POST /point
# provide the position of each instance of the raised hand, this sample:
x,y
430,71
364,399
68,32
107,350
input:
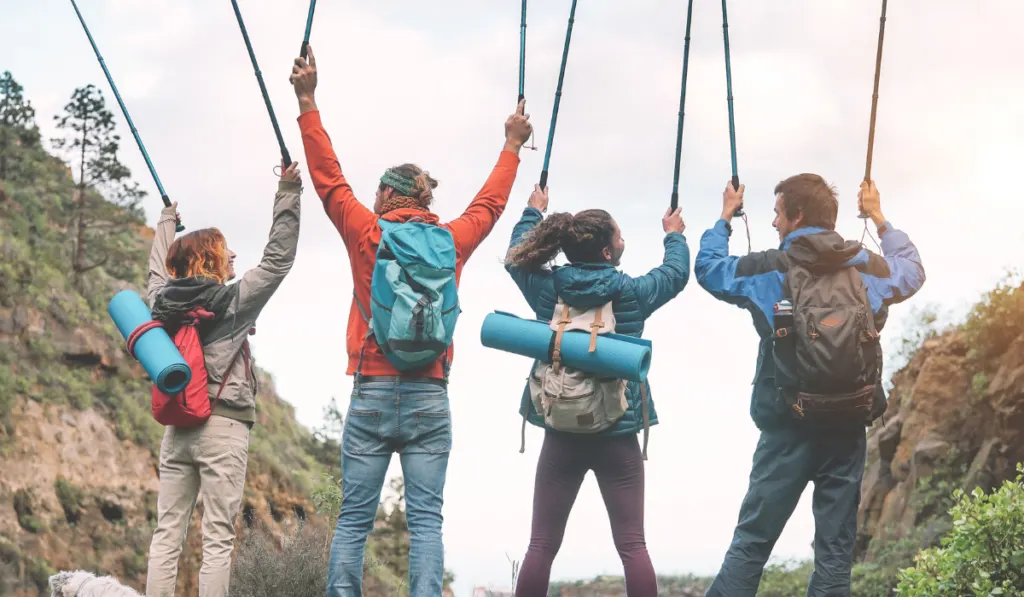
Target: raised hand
x,y
518,128
303,79
732,200
672,221
539,198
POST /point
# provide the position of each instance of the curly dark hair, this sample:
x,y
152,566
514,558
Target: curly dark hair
x,y
582,237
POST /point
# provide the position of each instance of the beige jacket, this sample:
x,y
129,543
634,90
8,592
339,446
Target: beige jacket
x,y
251,293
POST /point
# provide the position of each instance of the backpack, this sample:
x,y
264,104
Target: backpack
x,y
191,407
826,346
569,399
414,302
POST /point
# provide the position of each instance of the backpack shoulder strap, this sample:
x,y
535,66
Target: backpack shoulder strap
x,y
556,351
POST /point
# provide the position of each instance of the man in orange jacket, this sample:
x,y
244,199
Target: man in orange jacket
x,y
391,411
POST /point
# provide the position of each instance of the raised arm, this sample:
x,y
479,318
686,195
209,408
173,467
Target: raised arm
x,y
529,281
472,227
348,215
906,270
666,281
165,228
259,284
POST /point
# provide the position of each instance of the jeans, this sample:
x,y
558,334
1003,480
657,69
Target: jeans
x,y
411,418
785,461
619,467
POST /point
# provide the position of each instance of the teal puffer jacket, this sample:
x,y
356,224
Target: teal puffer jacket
x,y
586,285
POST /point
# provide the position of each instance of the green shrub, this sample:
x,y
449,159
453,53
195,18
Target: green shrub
x,y
997,320
982,555
298,568
70,498
785,579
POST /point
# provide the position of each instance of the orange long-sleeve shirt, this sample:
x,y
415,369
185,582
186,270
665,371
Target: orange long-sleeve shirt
x,y
360,232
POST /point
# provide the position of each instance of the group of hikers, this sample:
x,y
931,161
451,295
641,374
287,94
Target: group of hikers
x,y
817,303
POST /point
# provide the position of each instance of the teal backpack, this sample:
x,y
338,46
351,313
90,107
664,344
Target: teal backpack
x,y
414,303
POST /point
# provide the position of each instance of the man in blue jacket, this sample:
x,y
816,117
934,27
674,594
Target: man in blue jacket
x,y
790,454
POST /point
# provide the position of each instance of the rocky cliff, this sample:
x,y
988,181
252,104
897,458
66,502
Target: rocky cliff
x,y
955,420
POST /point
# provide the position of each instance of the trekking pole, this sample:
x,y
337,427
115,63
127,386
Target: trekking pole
x,y
682,105
558,98
522,64
732,121
287,159
874,104
309,27
131,125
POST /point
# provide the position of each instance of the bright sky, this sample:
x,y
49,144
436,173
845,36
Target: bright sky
x,y
403,82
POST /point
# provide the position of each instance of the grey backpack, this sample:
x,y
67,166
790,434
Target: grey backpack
x,y
570,399
826,346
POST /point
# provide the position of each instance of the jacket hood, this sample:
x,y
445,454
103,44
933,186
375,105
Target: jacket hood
x,y
181,295
821,250
585,285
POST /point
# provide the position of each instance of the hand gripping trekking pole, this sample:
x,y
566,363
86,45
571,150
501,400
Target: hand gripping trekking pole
x,y
732,120
522,64
682,104
309,27
287,159
874,103
558,99
124,110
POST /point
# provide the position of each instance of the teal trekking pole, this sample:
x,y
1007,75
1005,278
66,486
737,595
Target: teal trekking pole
x,y
732,120
309,27
286,158
522,64
558,99
682,105
124,110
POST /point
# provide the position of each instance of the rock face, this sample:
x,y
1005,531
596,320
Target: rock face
x,y
952,423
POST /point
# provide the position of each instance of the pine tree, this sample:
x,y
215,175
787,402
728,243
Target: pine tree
x,y
17,122
106,200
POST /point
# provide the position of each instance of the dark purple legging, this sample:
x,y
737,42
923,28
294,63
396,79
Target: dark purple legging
x,y
619,467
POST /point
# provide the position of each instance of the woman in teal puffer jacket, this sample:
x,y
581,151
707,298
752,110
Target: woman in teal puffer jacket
x,y
593,244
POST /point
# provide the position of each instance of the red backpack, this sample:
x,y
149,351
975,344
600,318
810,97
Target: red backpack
x,y
192,406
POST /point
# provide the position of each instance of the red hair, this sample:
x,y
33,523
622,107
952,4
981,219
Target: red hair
x,y
199,253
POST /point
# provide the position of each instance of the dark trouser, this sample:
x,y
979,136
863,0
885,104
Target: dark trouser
x,y
618,465
784,462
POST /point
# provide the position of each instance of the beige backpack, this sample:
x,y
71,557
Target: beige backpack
x,y
569,399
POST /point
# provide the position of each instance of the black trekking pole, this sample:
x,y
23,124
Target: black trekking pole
x,y
558,99
522,64
287,159
874,103
682,105
309,27
131,125
732,121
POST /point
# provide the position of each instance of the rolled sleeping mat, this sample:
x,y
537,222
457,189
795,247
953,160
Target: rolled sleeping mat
x,y
148,343
616,355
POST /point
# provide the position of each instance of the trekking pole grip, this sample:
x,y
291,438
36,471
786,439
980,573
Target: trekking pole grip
x,y
736,187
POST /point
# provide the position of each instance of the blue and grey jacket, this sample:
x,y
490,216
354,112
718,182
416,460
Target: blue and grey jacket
x,y
754,282
587,285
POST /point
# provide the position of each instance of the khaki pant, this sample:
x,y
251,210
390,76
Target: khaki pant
x,y
213,458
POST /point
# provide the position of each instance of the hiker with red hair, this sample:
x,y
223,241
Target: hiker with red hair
x,y
188,274
399,347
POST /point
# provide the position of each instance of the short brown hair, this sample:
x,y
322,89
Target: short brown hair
x,y
810,196
199,253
